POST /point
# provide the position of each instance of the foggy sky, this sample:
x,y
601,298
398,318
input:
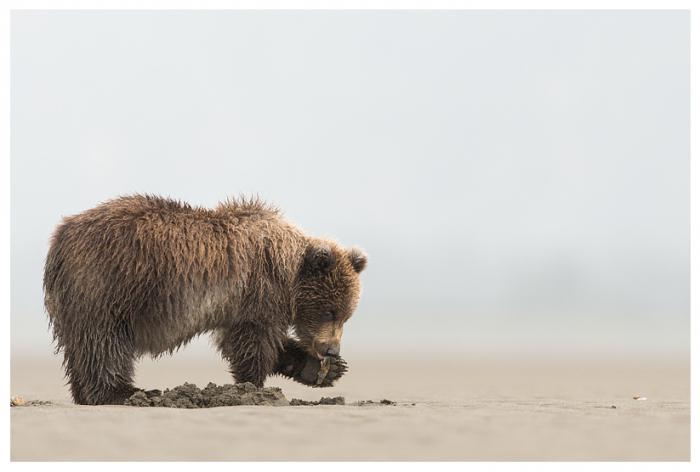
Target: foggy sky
x,y
519,180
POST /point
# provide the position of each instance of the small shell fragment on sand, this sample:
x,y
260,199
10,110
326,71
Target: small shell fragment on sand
x,y
17,401
639,397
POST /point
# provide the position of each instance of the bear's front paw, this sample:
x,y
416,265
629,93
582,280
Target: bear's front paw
x,y
322,373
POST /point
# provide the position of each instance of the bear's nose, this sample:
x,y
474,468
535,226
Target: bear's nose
x,y
333,351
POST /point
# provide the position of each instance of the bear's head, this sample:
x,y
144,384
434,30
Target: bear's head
x,y
326,294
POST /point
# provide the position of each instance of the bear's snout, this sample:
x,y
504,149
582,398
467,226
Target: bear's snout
x,y
331,348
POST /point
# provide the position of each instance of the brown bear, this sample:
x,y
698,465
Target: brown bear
x,y
144,275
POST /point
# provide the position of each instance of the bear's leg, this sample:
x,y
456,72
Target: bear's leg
x,y
291,359
251,350
100,369
76,389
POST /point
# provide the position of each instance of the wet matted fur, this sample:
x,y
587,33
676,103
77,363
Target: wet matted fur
x,y
144,275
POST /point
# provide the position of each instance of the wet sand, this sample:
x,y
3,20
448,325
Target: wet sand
x,y
448,408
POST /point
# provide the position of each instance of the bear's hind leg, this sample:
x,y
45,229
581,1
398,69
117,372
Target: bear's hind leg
x,y
251,350
101,368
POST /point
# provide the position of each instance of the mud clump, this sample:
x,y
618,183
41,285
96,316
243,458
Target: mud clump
x,y
188,395
322,401
340,401
383,402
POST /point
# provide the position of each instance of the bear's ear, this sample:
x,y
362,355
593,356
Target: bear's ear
x,y
318,259
358,259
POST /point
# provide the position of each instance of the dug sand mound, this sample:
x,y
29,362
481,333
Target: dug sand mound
x,y
188,395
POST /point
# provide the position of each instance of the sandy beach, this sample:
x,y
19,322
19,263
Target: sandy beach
x,y
448,408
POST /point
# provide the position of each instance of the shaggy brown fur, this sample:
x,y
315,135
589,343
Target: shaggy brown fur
x,y
144,275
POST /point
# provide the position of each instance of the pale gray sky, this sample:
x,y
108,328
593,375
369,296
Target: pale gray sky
x,y
519,179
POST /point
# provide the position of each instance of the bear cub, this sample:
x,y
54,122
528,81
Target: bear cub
x,y
143,275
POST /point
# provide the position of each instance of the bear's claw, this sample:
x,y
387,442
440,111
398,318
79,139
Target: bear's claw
x,y
322,373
